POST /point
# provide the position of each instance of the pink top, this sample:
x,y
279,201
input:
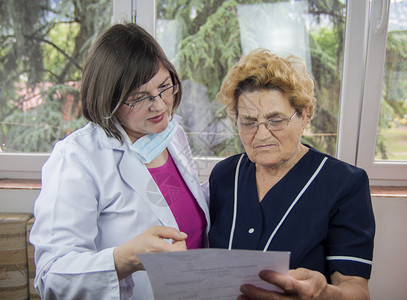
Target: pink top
x,y
187,212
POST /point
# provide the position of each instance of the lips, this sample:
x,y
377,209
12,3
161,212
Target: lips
x,y
158,118
267,146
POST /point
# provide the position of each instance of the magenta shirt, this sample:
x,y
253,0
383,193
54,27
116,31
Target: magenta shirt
x,y
187,212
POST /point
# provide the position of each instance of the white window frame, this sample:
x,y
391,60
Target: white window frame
x,y
354,58
360,97
364,57
379,171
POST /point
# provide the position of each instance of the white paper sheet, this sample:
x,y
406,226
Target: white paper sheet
x,y
209,273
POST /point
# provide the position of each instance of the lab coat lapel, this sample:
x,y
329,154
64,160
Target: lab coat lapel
x,y
136,175
139,178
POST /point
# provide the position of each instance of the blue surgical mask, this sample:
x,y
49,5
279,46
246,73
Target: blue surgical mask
x,y
148,147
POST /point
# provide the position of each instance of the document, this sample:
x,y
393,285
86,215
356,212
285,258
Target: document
x,y
209,273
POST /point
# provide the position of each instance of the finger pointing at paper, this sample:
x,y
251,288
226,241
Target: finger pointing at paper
x,y
152,240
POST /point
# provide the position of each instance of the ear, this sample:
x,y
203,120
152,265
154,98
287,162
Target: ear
x,y
304,118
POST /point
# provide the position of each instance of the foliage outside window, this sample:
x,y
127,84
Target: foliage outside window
x,y
44,44
43,47
391,141
211,39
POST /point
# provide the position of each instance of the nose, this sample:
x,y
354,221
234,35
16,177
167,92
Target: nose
x,y
157,103
262,132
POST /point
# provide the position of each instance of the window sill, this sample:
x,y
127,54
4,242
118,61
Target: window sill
x,y
389,191
35,184
20,184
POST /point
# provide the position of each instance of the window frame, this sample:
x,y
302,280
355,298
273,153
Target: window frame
x,y
380,172
352,79
364,51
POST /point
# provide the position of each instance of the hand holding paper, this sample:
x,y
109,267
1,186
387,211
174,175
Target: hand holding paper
x,y
209,273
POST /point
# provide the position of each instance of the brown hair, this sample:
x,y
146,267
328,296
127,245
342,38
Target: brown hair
x,y
122,59
263,70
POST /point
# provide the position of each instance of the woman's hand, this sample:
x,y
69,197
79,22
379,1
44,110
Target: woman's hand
x,y
152,240
306,284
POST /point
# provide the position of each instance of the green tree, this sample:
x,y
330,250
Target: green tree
x,y
43,46
394,88
211,43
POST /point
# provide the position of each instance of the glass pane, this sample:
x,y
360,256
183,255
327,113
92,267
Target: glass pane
x,y
205,38
391,141
42,50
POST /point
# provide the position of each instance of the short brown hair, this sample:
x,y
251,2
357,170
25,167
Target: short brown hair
x,y
122,59
261,69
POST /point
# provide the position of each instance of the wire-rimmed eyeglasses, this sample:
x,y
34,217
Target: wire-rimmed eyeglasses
x,y
274,124
145,102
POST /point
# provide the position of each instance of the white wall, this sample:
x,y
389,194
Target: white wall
x,y
390,255
388,279
17,201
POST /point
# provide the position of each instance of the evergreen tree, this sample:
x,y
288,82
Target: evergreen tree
x,y
211,44
43,46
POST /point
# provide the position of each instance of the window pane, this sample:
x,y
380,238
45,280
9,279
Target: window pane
x,y
43,47
391,141
205,38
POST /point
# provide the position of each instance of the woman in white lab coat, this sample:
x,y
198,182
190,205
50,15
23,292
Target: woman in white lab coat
x,y
122,185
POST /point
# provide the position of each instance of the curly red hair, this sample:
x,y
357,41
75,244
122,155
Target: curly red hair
x,y
262,70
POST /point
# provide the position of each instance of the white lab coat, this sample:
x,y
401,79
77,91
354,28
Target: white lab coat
x,y
96,195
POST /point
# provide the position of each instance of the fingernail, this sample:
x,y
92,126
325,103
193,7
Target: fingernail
x,y
182,234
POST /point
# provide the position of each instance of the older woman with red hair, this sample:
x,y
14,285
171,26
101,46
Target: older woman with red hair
x,y
283,195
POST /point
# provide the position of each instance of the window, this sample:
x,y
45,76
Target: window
x,y
391,141
204,39
385,94
43,47
336,38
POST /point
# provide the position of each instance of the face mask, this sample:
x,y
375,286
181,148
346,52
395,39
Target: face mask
x,y
150,146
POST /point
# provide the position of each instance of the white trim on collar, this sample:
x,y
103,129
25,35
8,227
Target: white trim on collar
x,y
232,231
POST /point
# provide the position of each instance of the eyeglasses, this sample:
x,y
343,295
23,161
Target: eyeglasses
x,y
141,102
274,124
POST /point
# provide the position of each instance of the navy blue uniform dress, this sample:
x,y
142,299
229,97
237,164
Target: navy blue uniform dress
x,y
320,211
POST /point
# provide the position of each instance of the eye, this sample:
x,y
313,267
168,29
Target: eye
x,y
249,123
137,99
276,121
164,86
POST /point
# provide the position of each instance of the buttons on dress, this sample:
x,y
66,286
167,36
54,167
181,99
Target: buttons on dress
x,y
251,230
